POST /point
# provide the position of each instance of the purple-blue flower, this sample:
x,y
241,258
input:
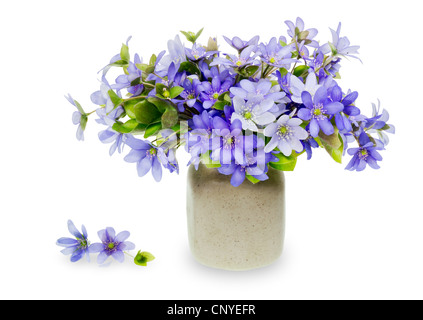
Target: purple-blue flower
x,y
77,247
112,245
145,155
318,111
212,91
366,154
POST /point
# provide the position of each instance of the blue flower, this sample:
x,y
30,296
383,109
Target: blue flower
x,y
112,245
77,247
365,155
212,91
228,141
193,89
126,80
145,155
255,163
198,52
198,139
276,55
78,118
318,111
239,44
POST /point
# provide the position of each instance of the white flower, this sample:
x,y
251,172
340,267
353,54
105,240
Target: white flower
x,y
298,87
252,113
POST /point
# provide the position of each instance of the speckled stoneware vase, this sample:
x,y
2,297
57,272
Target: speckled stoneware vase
x,y
232,228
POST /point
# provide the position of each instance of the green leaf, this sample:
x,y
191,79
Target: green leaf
x,y
119,63
175,91
170,118
300,70
333,144
283,71
79,107
198,34
153,60
142,258
285,163
115,98
129,107
126,127
252,179
209,163
220,105
145,67
124,53
152,129
191,36
162,90
161,105
146,112
84,120
190,67
251,70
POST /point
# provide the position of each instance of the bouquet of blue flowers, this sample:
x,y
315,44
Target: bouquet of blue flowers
x,y
240,113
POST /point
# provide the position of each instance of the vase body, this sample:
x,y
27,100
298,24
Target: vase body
x,y
235,228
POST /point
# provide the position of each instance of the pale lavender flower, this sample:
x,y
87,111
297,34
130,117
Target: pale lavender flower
x,y
258,91
297,32
102,97
176,55
340,45
239,44
286,134
112,245
78,118
243,60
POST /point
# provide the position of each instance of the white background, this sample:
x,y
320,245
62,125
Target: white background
x,y
349,235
